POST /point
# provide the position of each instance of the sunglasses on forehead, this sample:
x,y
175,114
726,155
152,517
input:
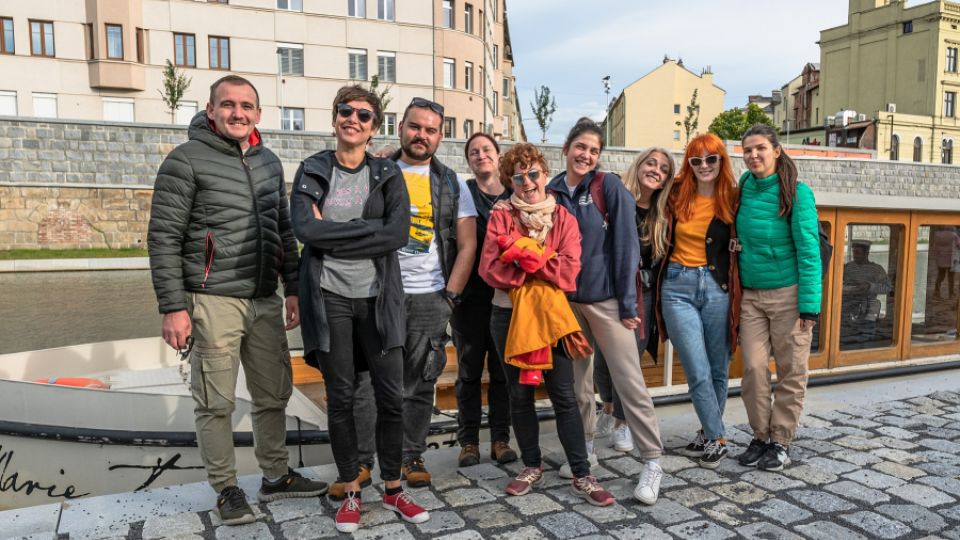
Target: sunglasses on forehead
x,y
345,111
532,174
709,160
427,104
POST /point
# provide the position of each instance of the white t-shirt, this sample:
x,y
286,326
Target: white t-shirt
x,y
420,259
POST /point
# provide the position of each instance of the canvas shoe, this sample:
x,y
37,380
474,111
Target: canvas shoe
x,y
695,447
622,438
348,516
402,504
648,488
713,453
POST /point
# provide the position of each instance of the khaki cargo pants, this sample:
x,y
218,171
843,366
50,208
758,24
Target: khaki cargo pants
x,y
229,332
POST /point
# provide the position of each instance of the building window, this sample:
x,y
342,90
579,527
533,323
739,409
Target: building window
x,y
118,109
449,127
676,108
468,18
357,64
676,135
219,52
8,103
952,59
141,54
506,88
449,67
387,66
186,110
946,151
467,128
496,54
894,147
389,126
447,13
185,50
949,104
41,38
496,9
114,42
386,10
6,35
45,105
468,76
290,58
496,103
291,119
290,5
918,149
357,8
908,27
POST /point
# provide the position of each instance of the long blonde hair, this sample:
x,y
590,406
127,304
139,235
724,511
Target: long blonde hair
x,y
654,226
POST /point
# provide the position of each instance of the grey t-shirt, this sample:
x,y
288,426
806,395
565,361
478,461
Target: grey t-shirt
x,y
352,278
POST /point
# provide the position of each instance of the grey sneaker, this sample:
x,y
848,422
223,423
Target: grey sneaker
x,y
774,459
232,507
696,446
753,453
289,486
713,453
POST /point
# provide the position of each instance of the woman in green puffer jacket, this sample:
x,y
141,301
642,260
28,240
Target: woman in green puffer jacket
x,y
781,277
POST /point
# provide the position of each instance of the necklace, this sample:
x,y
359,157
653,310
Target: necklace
x,y
488,199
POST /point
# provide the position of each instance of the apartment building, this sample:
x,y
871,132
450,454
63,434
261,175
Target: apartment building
x,y
104,59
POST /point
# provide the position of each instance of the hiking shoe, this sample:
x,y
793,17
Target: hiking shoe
x,y
402,504
713,453
501,452
290,485
648,488
588,489
753,453
232,507
348,516
774,459
604,425
622,438
415,473
338,489
469,455
528,477
695,447
565,471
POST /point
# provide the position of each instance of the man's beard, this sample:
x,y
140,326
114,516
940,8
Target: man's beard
x,y
415,154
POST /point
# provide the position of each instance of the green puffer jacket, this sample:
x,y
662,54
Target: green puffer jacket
x,y
220,222
777,253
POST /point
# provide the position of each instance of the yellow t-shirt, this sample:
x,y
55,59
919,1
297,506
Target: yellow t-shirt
x,y
690,236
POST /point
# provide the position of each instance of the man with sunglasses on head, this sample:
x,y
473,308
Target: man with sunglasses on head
x,y
219,240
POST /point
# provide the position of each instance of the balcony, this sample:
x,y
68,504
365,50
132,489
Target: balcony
x,y
116,75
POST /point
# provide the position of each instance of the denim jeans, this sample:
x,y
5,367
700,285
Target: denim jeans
x,y
559,383
601,372
696,312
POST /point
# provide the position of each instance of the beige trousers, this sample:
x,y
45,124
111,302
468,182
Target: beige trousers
x,y
600,322
770,326
229,332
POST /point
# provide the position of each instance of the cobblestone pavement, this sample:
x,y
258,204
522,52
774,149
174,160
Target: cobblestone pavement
x,y
881,470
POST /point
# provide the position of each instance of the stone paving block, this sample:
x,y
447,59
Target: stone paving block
x,y
931,420
950,512
857,443
467,497
602,473
893,442
810,474
426,498
947,432
897,456
183,523
700,530
950,486
667,512
857,458
442,522
814,422
781,511
533,504
832,416
670,481
832,466
874,479
897,421
250,531
948,397
897,470
626,466
851,431
311,528
820,501
642,531
876,525
31,520
895,432
740,492
764,531
732,466
523,533
691,496
605,514
820,434
826,530
941,445
770,481
461,535
287,509
483,471
111,532
726,512
552,479
853,490
941,469
701,477
673,464
940,457
497,487
925,496
862,423
393,531
820,447
563,495
452,481
916,517
491,516
567,525
376,515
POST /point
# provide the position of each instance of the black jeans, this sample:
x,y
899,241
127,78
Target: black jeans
x,y
601,374
346,316
471,335
559,383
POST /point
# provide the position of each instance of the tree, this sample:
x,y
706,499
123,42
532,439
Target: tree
x,y
692,121
731,125
543,107
385,99
175,85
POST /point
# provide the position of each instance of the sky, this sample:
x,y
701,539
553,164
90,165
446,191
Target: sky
x,y
752,46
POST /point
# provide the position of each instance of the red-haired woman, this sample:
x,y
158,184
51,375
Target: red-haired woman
x,y
695,307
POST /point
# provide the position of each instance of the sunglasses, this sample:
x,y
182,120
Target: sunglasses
x,y
345,111
532,174
709,160
426,104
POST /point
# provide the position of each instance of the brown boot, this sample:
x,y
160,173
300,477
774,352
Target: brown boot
x,y
469,455
501,452
415,473
338,489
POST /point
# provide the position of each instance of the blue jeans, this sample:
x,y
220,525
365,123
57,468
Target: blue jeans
x,y
696,312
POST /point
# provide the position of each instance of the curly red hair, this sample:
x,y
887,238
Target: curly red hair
x,y
526,156
685,185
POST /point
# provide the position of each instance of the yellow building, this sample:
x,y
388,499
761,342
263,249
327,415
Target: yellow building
x,y
898,66
650,111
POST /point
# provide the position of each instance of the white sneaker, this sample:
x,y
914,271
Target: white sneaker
x,y
622,438
604,425
565,471
648,488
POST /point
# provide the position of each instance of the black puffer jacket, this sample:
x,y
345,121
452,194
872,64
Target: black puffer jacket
x,y
220,222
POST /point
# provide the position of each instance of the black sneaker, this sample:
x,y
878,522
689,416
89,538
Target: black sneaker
x,y
713,453
695,447
290,485
753,453
232,507
774,459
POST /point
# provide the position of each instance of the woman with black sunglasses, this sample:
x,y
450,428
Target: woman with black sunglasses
x,y
352,212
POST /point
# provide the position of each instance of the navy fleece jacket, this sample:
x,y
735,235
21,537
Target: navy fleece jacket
x,y
610,255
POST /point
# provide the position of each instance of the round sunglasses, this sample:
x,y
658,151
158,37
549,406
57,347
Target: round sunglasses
x,y
709,160
532,174
345,111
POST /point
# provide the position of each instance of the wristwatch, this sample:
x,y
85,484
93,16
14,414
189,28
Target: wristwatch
x,y
454,298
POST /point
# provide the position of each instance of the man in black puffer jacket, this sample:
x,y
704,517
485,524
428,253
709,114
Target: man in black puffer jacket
x,y
219,238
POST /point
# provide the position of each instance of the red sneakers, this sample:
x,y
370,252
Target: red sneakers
x,y
348,516
409,511
528,477
589,489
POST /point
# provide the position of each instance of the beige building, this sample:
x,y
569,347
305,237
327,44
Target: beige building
x,y
896,66
650,111
103,59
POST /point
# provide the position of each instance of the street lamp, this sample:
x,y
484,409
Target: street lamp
x,y
606,90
